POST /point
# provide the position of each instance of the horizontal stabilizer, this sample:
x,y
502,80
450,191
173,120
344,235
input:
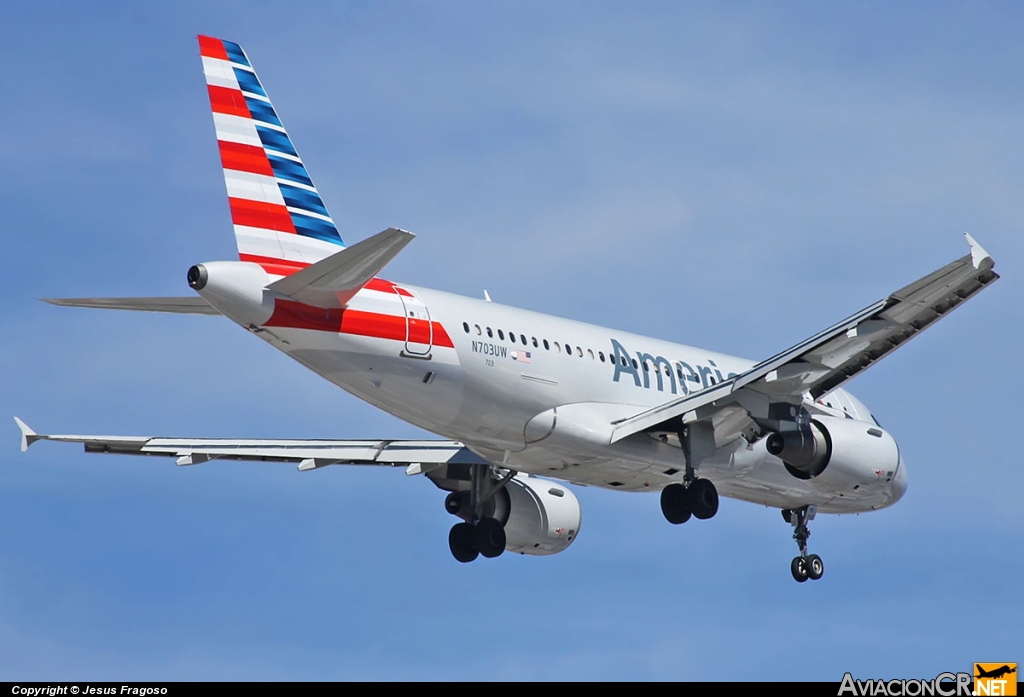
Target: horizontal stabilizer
x,y
192,305
333,281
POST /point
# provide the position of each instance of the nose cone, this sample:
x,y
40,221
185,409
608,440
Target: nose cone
x,y
898,486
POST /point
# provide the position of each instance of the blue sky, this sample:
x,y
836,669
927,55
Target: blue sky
x,y
730,176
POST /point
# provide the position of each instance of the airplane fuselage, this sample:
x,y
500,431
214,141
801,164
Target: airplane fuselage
x,y
533,392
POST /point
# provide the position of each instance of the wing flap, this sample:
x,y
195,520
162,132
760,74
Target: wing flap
x,y
191,305
828,359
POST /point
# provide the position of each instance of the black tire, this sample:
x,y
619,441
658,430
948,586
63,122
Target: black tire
x,y
453,502
675,505
798,567
462,542
815,567
702,497
490,538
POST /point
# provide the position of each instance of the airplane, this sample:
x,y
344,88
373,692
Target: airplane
x,y
996,672
524,402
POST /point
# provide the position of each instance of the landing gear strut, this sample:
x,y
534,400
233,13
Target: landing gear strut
x,y
806,566
694,497
480,533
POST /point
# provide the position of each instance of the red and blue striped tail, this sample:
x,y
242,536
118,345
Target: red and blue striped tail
x,y
280,220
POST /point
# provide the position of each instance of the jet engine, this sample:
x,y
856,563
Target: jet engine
x,y
837,455
540,516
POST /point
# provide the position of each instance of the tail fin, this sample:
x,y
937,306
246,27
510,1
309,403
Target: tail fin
x,y
280,220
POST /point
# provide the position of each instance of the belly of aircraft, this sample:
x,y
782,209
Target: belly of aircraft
x,y
426,391
739,472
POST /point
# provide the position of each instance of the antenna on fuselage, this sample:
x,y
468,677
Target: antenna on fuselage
x,y
487,296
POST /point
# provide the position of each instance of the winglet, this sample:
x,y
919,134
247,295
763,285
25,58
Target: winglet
x,y
28,436
979,257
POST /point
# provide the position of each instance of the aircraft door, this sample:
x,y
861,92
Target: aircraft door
x,y
419,330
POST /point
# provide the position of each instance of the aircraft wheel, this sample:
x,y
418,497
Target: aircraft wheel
x,y
799,569
462,542
703,498
815,567
490,537
675,504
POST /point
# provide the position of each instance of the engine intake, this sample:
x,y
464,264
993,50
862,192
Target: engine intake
x,y
807,450
839,455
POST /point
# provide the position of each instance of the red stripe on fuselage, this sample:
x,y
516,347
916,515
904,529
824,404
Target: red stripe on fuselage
x,y
386,287
278,267
295,315
224,100
260,214
244,158
212,48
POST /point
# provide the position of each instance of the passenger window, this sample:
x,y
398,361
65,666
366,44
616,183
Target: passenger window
x,y
534,341
546,346
558,346
568,349
490,333
465,325
477,328
579,352
501,335
522,338
635,366
591,354
623,359
600,354
512,337
646,369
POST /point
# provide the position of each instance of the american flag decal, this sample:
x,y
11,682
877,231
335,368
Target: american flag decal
x,y
521,356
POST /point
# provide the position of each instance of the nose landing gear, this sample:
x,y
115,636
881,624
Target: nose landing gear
x,y
806,566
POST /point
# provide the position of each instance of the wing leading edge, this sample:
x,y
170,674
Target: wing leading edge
x,y
828,359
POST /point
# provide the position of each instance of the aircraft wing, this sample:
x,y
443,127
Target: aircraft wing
x,y
417,456
828,359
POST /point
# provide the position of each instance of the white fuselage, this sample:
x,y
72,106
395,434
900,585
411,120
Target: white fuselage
x,y
459,367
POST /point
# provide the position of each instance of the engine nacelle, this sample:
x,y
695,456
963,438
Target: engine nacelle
x,y
540,516
838,455
544,516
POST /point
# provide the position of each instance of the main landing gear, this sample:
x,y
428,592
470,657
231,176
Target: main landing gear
x,y
694,497
806,566
698,498
482,531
